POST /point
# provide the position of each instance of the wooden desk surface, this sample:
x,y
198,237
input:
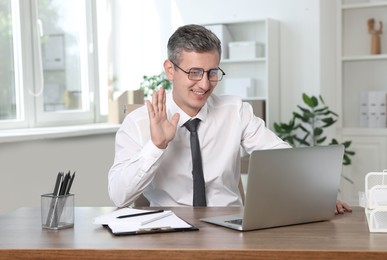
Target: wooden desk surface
x,y
346,236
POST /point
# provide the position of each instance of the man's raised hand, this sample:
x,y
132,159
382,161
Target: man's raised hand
x,y
162,130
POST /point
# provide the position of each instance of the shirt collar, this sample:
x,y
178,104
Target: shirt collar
x,y
184,117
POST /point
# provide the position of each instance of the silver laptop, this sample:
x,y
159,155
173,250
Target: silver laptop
x,y
287,187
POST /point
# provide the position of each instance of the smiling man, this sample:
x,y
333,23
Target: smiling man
x,y
153,145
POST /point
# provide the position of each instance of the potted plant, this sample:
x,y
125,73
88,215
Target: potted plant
x,y
150,83
306,127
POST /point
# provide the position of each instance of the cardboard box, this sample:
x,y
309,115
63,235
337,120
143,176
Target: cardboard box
x,y
258,107
246,50
126,102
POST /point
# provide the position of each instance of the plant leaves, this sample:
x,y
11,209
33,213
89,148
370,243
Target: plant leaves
x,y
306,127
334,141
314,101
317,131
328,122
321,140
321,99
347,143
310,101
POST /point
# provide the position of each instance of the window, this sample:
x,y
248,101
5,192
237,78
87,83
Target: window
x,y
49,66
8,95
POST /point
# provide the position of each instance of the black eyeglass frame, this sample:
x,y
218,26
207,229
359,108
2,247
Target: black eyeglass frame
x,y
207,71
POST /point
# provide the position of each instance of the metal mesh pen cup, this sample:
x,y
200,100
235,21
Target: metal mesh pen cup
x,y
57,212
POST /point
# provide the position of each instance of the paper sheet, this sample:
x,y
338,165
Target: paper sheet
x,y
133,224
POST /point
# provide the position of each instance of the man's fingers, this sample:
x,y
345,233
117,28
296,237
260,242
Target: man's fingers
x,y
347,207
151,112
161,100
175,119
155,100
342,207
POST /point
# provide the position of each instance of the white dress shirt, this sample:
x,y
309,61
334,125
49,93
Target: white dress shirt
x,y
164,176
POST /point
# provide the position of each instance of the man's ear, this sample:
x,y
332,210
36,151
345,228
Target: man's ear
x,y
169,69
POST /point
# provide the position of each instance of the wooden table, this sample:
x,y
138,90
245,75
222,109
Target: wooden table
x,y
346,236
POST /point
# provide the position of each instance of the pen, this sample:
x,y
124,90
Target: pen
x,y
57,184
53,214
160,216
141,214
70,182
63,190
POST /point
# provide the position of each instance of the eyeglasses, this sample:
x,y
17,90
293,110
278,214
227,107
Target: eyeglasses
x,y
197,73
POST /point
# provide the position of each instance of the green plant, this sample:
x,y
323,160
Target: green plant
x,y
306,128
150,83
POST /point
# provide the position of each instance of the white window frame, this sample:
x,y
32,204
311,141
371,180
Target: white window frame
x,y
28,72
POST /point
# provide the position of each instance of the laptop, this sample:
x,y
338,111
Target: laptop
x,y
287,187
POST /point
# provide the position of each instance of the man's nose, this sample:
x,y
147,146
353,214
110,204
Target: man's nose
x,y
204,83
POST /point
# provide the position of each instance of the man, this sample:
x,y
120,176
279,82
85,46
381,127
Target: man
x,y
153,145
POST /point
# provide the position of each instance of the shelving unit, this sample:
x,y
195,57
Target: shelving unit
x,y
360,71
264,70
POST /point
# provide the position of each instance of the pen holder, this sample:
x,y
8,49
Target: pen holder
x,y
57,212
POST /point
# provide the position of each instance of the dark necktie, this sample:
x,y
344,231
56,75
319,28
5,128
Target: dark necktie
x,y
199,189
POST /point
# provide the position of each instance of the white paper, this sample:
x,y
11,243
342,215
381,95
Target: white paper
x,y
166,219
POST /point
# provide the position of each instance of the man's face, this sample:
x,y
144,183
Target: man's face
x,y
191,95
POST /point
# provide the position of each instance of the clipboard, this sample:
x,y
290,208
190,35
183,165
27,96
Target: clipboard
x,y
151,230
129,221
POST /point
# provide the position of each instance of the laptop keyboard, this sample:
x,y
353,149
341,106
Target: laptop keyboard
x,y
235,221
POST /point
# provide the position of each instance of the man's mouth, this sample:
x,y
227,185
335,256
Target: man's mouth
x,y
199,92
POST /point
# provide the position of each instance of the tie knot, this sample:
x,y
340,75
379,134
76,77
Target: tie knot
x,y
192,125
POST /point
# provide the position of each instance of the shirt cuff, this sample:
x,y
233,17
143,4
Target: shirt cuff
x,y
151,153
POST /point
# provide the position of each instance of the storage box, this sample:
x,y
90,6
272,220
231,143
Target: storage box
x,y
246,50
118,107
243,87
376,201
377,219
373,109
259,107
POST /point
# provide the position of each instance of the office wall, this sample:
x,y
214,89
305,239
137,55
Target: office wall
x,y
304,67
28,169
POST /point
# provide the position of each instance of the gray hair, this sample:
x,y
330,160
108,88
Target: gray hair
x,y
192,38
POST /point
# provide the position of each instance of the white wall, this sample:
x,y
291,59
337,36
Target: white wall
x,y
301,37
28,169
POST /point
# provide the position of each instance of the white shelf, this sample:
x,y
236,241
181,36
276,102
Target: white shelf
x,y
364,5
263,72
243,60
365,57
358,72
255,98
362,131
